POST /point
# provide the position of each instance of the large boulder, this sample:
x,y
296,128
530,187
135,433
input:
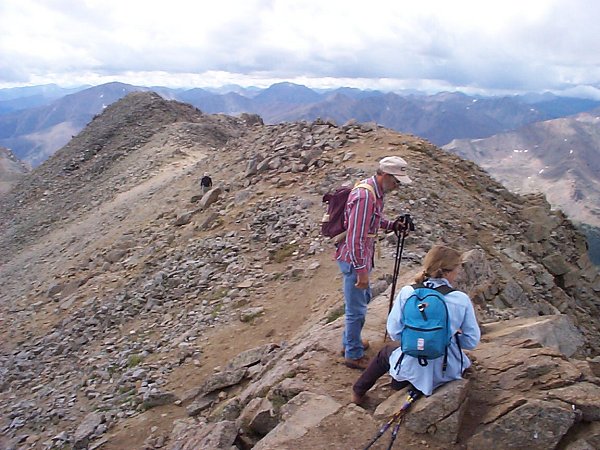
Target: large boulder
x,y
305,411
259,417
535,425
541,222
86,429
523,366
556,331
440,414
210,197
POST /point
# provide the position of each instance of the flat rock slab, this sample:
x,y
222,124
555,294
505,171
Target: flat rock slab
x,y
200,404
584,396
305,411
222,380
191,435
251,357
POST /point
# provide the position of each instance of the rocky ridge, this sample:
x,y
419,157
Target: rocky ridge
x,y
142,292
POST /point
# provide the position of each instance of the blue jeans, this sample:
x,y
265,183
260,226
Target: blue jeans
x,y
355,301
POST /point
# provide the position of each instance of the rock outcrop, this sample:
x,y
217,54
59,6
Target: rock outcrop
x,y
11,170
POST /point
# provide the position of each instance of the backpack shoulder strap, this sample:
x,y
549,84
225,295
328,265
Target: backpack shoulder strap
x,y
443,289
371,189
366,186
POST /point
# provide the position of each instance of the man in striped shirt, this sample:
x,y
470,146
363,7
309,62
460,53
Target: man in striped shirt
x,y
363,219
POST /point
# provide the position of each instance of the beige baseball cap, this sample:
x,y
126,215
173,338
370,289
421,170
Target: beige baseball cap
x,y
397,167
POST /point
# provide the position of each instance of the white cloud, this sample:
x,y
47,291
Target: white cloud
x,y
509,45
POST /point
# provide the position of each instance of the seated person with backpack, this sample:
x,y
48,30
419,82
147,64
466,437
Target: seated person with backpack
x,y
434,323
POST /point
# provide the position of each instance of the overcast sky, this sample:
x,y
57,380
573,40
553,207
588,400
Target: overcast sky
x,y
477,46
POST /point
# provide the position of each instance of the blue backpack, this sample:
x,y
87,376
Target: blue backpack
x,y
426,334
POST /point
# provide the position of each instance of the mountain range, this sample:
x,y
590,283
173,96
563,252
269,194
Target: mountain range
x,y
495,132
137,313
15,99
559,157
33,134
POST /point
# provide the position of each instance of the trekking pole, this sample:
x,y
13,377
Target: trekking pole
x,y
383,429
399,249
412,395
408,226
394,434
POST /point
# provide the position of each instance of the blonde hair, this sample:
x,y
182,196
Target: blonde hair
x,y
439,261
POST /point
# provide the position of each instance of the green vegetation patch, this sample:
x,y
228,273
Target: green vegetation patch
x,y
134,360
335,314
216,294
217,309
283,253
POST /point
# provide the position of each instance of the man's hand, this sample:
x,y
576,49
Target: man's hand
x,y
404,225
362,280
400,227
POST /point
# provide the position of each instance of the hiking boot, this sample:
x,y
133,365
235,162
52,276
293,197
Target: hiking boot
x,y
360,363
365,344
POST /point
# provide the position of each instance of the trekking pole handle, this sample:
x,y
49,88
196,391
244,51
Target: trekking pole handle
x,y
404,224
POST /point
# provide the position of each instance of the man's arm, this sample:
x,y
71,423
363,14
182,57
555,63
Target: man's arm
x,y
360,212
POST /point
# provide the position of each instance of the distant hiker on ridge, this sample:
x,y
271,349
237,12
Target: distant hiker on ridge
x,y
206,183
363,218
440,270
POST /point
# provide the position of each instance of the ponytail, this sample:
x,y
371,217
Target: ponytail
x,y
421,277
438,261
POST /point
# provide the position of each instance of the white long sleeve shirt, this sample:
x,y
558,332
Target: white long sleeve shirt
x,y
462,317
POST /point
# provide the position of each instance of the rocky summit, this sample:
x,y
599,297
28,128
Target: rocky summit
x,y
137,313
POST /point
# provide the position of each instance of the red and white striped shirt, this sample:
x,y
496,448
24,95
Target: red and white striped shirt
x,y
363,218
